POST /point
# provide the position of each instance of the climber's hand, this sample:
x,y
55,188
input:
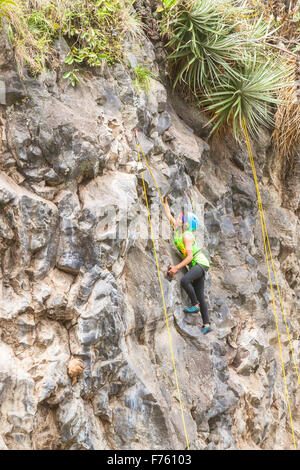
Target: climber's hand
x,y
172,270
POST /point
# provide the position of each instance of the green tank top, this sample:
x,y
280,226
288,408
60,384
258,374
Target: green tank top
x,y
198,256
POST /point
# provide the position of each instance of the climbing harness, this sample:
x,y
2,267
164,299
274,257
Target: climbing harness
x,y
140,150
267,242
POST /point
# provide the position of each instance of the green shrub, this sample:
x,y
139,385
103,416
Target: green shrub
x,y
94,30
72,76
217,51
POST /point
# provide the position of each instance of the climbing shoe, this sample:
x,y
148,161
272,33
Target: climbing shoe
x,y
206,329
193,309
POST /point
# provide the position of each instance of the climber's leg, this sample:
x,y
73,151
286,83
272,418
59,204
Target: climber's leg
x,y
187,284
199,289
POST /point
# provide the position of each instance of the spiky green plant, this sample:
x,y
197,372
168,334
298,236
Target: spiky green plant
x,y
249,93
203,44
218,52
168,4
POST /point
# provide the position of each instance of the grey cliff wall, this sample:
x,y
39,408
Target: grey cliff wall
x,y
67,289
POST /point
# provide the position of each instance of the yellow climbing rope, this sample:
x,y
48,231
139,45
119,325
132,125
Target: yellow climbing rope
x,y
266,237
139,148
270,251
154,180
266,247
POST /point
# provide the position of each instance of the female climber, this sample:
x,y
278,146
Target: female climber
x,y
193,281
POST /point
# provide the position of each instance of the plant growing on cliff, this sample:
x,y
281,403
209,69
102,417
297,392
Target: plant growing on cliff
x,y
72,76
6,6
286,135
168,4
94,30
202,44
9,11
28,51
217,51
142,77
248,93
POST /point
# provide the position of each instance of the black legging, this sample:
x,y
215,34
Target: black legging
x,y
193,283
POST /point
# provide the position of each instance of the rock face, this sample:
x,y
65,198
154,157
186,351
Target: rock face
x,y
78,277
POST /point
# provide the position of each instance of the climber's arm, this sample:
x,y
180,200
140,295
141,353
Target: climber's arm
x,y
168,212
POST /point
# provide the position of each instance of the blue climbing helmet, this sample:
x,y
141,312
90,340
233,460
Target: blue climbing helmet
x,y
191,221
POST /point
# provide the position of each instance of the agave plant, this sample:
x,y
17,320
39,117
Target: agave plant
x,y
203,45
249,94
219,51
169,4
